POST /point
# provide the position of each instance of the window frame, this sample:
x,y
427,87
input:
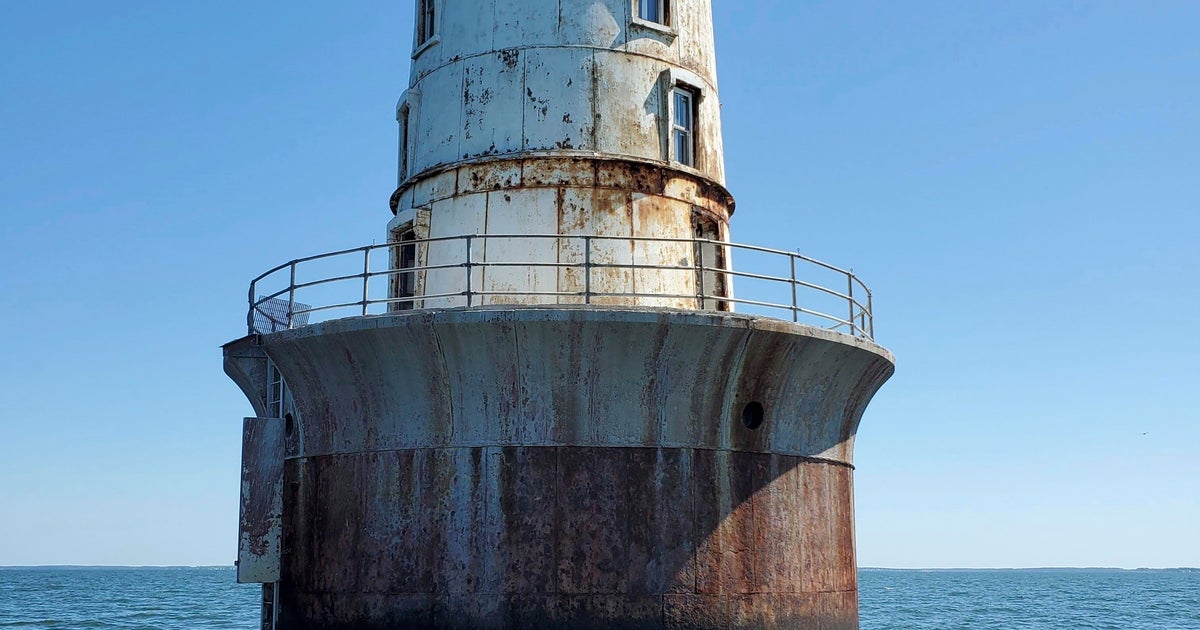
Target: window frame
x,y
408,105
691,130
276,391
405,277
404,119
406,258
712,281
427,25
665,25
663,10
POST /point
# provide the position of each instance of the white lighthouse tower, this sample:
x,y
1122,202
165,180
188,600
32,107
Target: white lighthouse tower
x,y
569,118
542,403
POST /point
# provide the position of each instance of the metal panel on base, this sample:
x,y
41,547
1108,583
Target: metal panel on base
x,y
260,530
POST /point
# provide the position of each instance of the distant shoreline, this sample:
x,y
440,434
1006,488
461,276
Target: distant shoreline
x,y
100,567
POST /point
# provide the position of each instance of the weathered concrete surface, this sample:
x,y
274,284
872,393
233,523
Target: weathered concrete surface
x,y
566,468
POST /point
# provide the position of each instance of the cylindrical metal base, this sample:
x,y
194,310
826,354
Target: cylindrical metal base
x,y
569,537
571,468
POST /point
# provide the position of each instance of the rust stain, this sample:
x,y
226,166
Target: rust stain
x,y
510,57
705,534
609,173
499,532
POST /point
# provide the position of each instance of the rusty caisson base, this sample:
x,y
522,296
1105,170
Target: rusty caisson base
x,y
570,468
569,537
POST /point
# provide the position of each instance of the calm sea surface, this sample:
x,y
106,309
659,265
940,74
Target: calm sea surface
x,y
199,598
1060,599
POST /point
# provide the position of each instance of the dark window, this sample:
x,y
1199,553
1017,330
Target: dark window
x,y
426,20
710,264
406,284
403,119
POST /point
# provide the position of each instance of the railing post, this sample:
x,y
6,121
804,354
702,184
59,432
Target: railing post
x,y
468,266
795,303
587,269
250,313
699,273
291,296
870,316
850,293
366,278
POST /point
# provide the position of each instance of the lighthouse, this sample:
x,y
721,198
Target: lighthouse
x,y
559,394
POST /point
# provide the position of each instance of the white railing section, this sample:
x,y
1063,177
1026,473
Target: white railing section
x,y
363,281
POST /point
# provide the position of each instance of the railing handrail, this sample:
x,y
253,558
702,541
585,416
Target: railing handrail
x,y
859,316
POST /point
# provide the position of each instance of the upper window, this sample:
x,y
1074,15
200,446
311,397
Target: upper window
x,y
426,21
653,16
657,11
402,118
653,11
683,126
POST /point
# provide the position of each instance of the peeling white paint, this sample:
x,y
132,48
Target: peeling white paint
x,y
515,115
507,76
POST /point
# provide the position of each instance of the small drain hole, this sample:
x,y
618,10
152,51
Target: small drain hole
x,y
752,415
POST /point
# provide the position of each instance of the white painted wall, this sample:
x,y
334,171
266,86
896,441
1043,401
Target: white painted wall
x,y
510,76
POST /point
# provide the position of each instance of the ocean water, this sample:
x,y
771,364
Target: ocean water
x,y
1062,599
150,598
1041,599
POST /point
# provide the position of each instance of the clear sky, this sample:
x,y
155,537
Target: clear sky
x,y
1019,182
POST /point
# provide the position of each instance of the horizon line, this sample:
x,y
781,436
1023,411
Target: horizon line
x,y
861,568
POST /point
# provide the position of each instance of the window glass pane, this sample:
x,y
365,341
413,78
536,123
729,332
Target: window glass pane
x,y
683,148
650,10
425,21
683,119
683,109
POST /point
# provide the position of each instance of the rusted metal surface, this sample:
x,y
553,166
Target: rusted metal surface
x,y
562,169
564,469
259,531
568,195
520,536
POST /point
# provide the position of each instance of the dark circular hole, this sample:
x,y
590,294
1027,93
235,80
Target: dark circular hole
x,y
752,415
289,423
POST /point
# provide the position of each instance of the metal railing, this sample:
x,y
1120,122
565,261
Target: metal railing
x,y
777,283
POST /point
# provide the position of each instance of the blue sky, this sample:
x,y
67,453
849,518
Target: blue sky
x,y
1018,182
